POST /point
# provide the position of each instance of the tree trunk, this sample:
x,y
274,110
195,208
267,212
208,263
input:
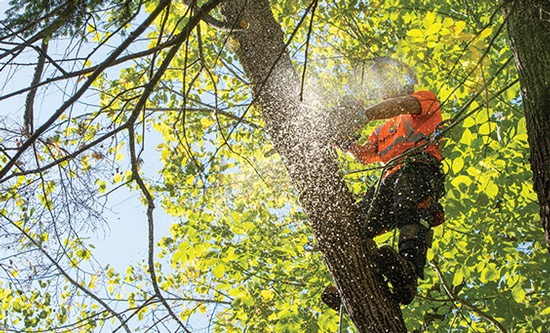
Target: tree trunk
x,y
302,143
528,23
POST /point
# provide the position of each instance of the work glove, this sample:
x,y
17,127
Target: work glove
x,y
344,143
346,118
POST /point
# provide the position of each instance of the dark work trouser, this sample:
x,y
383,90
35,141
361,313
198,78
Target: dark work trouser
x,y
403,199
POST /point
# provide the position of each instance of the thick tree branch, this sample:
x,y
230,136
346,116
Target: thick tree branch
x,y
528,24
302,141
28,116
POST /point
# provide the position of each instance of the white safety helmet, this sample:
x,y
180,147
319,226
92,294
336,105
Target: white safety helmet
x,y
382,78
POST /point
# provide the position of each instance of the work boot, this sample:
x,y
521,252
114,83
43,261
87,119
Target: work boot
x,y
399,272
414,240
331,297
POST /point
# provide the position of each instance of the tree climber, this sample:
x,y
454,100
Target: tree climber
x,y
412,181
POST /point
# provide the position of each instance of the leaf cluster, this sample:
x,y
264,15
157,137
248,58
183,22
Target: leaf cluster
x,y
239,250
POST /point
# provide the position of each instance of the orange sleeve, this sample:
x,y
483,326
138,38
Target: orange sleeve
x,y
428,101
367,153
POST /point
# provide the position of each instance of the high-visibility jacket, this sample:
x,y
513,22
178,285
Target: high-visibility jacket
x,y
398,134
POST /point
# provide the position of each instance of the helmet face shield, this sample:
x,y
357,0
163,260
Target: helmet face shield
x,y
390,84
383,78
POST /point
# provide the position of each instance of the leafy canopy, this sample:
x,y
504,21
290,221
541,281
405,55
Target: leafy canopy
x,y
240,254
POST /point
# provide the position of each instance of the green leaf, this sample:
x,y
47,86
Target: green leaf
x,y
416,33
462,179
518,293
486,32
428,20
328,321
457,164
489,273
458,277
218,270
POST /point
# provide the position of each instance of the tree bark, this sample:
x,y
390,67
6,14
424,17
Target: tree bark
x,y
528,23
301,139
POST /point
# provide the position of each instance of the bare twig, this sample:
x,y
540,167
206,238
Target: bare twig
x,y
86,71
44,54
309,31
463,302
144,25
182,37
214,23
479,62
64,273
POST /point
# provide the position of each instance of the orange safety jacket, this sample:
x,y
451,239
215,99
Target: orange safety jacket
x,y
398,134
